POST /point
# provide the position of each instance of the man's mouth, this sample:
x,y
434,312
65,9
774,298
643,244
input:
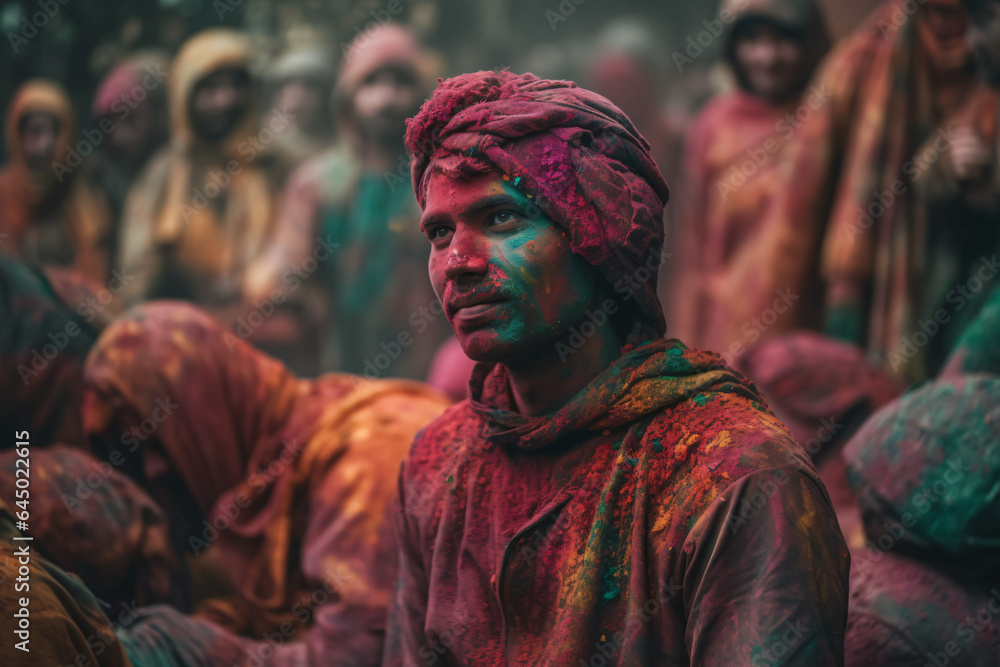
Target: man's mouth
x,y
473,306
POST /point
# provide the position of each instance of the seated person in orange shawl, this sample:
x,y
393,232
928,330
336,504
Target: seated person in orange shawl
x,y
735,163
605,496
286,483
50,211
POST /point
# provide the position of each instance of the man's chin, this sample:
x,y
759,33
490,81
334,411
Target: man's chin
x,y
485,345
487,351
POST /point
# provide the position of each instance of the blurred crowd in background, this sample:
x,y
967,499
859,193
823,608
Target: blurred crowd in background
x,y
832,228
248,157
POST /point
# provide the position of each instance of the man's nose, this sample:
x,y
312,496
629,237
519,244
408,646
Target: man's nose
x,y
468,255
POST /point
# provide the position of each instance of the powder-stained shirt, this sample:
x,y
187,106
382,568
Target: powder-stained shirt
x,y
662,517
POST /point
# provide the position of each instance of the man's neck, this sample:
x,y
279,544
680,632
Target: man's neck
x,y
548,380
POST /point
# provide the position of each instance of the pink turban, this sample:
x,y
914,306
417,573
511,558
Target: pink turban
x,y
570,150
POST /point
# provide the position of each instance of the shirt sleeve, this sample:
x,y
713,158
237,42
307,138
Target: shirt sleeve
x,y
766,575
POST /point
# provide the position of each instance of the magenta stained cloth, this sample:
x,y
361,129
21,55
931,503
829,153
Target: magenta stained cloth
x,y
572,151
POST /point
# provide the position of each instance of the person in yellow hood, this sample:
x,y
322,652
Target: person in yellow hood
x,y
200,211
48,213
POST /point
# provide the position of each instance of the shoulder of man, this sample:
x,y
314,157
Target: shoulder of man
x,y
446,437
723,437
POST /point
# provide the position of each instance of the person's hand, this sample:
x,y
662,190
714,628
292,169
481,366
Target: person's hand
x,y
971,156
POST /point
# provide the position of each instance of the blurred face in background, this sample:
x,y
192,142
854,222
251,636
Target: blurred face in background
x,y
302,102
943,26
129,141
770,60
383,102
984,39
38,133
219,102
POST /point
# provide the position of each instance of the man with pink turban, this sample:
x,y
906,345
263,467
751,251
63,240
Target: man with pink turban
x,y
605,495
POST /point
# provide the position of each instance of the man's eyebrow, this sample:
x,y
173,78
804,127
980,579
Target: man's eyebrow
x,y
485,203
428,221
490,202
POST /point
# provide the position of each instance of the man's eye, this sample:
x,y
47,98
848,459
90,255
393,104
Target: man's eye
x,y
503,217
438,233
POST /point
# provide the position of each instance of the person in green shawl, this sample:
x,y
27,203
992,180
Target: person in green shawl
x,y
347,228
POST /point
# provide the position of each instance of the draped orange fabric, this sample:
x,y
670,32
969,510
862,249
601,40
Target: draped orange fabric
x,y
295,477
51,216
